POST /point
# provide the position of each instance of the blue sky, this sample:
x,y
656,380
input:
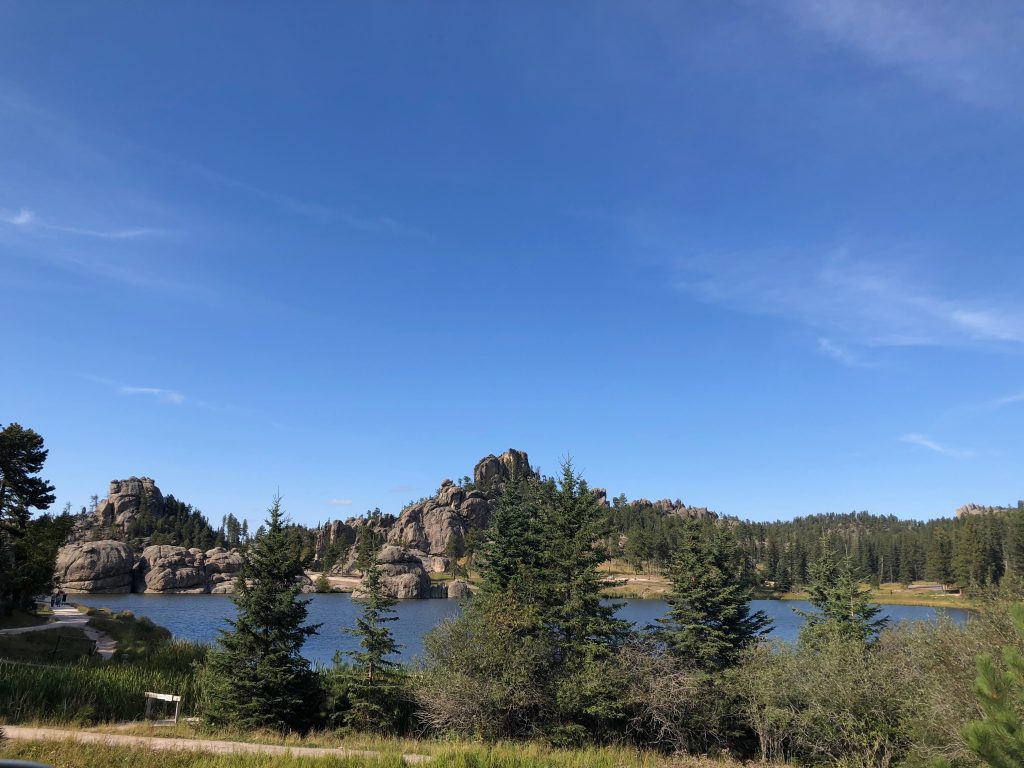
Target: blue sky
x,y
761,257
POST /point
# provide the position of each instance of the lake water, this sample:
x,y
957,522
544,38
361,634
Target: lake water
x,y
198,617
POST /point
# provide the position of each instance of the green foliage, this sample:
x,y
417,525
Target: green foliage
x,y
837,702
88,692
843,608
34,553
488,673
375,692
26,549
509,548
998,737
709,622
532,653
175,523
257,677
321,584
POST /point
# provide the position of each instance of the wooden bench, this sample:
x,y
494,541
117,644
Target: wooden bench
x,y
150,697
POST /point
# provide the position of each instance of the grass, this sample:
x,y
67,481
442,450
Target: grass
x,y
19,617
135,636
52,645
77,755
88,692
69,754
898,594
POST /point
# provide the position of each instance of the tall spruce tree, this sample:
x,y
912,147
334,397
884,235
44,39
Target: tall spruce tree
x,y
257,678
709,622
375,690
509,549
843,607
572,528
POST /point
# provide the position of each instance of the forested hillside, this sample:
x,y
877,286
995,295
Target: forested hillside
x,y
974,549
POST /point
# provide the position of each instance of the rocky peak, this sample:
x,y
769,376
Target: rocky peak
x,y
491,469
126,500
677,508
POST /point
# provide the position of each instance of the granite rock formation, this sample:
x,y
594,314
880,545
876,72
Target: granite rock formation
x,y
113,567
95,566
402,573
126,500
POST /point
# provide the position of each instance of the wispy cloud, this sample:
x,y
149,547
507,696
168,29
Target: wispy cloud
x,y
920,440
1016,398
340,502
841,354
851,302
27,220
971,51
166,395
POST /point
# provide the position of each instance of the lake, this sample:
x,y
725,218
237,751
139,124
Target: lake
x,y
197,617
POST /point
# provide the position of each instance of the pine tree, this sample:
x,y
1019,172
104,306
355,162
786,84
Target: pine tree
x,y
372,696
366,548
571,526
257,677
508,549
998,738
843,608
709,622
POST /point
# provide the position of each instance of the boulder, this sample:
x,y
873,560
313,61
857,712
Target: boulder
x,y
459,590
402,573
95,566
163,568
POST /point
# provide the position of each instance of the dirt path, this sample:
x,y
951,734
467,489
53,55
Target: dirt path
x,y
68,616
191,745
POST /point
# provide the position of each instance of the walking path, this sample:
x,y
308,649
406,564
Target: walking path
x,y
69,616
192,745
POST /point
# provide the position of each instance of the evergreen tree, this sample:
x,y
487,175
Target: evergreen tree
x,y
257,677
572,524
508,549
22,455
939,559
843,608
366,548
998,738
373,694
709,622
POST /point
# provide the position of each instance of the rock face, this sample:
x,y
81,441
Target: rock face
x,y
491,469
126,500
402,573
975,509
95,566
677,509
163,568
112,566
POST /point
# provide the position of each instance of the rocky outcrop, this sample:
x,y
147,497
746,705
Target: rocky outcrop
x,y
458,590
112,566
222,567
170,570
977,509
677,509
497,469
126,500
402,573
95,566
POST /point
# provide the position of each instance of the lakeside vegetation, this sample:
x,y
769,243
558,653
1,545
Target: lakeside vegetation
x,y
538,670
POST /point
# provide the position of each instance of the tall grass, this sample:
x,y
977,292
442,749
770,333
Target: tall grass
x,y
87,693
63,754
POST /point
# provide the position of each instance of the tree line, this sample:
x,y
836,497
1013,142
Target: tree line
x,y
972,551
